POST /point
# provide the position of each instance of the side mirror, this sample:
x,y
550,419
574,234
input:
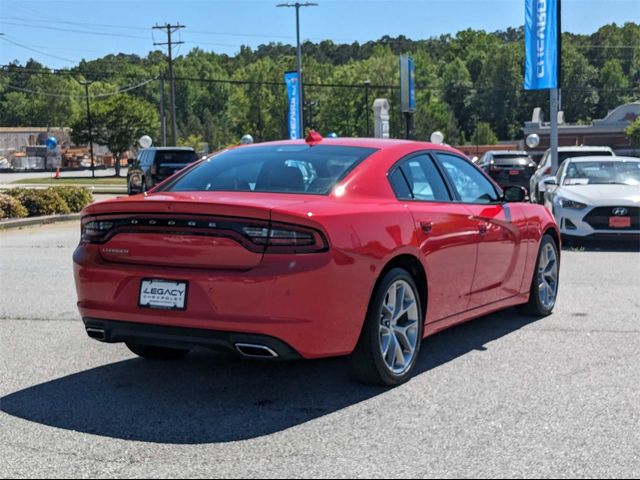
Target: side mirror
x,y
514,194
551,181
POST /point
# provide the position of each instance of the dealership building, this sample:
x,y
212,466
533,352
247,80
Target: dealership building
x,y
609,131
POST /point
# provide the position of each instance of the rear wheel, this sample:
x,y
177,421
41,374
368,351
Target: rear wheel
x,y
389,345
151,352
544,286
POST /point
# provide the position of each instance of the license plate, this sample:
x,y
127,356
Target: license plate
x,y
620,222
163,294
514,172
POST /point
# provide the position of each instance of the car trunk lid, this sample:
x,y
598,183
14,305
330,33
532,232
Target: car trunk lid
x,y
212,230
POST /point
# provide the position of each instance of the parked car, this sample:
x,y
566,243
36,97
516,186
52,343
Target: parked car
x,y
156,164
508,168
596,197
543,172
372,246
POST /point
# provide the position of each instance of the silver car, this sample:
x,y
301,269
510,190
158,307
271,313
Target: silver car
x,y
536,182
593,197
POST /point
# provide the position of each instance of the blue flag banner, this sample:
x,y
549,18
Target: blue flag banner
x,y
293,95
541,44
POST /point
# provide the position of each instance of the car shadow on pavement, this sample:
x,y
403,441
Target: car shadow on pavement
x,y
208,398
622,245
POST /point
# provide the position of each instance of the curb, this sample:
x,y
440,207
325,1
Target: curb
x,y
29,222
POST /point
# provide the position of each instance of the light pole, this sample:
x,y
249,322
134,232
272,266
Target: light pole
x,y
367,85
297,6
86,84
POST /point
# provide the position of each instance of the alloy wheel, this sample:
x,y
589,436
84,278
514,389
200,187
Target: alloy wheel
x,y
548,276
399,327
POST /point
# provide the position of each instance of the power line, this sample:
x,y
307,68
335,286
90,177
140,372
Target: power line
x,y
72,95
36,50
66,22
70,30
170,29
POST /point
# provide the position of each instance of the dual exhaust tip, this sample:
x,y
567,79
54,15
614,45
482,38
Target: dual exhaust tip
x,y
248,350
251,350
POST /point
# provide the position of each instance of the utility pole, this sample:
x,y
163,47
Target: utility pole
x,y
163,118
172,87
297,6
86,84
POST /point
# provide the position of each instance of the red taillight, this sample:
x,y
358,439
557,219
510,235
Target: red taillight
x,y
259,236
284,238
547,171
93,230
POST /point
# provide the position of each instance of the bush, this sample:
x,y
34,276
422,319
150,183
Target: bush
x,y
40,202
76,197
11,208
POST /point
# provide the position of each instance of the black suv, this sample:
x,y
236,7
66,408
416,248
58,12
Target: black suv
x,y
508,168
153,165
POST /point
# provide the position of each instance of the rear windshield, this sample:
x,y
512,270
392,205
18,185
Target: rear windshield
x,y
504,156
562,156
177,156
285,169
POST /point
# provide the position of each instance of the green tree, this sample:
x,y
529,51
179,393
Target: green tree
x,y
457,86
579,92
613,84
118,123
633,132
483,135
499,90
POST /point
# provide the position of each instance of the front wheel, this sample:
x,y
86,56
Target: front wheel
x,y
389,345
544,286
150,352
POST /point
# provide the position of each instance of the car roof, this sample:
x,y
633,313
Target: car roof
x,y
509,152
582,148
173,149
599,158
377,143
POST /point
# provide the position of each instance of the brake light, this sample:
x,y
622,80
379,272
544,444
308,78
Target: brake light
x,y
547,171
284,238
93,231
255,235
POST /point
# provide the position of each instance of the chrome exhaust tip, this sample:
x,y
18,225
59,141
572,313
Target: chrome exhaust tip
x,y
250,350
96,334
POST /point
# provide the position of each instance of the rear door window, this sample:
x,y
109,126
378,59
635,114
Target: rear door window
x,y
417,178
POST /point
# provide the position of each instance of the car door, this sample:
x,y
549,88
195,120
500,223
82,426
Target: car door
x,y
444,231
500,261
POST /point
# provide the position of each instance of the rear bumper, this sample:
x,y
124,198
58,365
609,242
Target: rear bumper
x,y
308,302
505,180
180,337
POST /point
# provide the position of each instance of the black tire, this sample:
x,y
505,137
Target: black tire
x,y
367,363
150,352
535,307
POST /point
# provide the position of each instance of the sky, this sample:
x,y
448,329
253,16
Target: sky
x,y
61,33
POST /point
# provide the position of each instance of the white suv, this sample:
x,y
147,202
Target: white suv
x,y
536,183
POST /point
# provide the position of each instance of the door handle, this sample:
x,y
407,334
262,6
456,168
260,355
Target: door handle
x,y
482,228
426,227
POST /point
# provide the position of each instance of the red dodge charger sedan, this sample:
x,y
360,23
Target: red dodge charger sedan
x,y
316,248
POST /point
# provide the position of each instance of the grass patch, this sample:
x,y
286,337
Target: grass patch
x,y
119,181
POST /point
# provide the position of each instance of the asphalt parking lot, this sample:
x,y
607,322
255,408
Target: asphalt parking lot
x,y
504,396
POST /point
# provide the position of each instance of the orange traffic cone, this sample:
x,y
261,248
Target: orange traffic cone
x,y
57,174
